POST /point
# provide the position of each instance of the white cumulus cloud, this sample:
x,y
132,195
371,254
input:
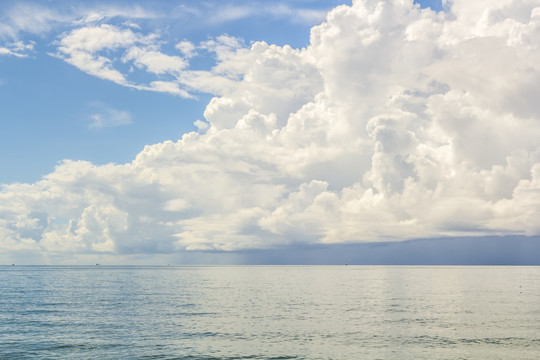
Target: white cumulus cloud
x,y
395,122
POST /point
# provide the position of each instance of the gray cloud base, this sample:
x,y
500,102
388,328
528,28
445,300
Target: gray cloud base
x,y
484,251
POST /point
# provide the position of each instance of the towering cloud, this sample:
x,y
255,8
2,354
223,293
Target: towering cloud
x,y
395,122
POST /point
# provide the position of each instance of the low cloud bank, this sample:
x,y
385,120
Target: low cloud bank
x,y
509,250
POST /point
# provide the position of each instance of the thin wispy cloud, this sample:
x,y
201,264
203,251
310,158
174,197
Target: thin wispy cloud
x,y
104,117
97,34
34,18
17,49
29,18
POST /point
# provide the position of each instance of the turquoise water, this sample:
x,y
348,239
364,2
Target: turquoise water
x,y
265,312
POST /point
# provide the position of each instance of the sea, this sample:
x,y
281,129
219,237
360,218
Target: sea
x,y
269,312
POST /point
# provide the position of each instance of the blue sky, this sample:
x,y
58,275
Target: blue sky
x,y
46,104
150,128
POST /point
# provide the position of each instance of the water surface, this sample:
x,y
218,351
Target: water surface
x,y
269,312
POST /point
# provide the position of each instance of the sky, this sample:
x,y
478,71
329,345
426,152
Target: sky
x,y
252,131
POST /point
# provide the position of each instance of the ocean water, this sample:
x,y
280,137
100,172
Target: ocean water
x,y
269,312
